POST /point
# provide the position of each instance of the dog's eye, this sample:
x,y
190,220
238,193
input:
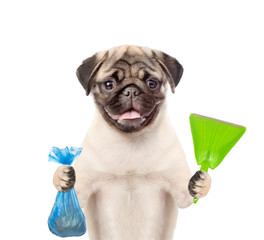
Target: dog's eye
x,y
109,85
152,84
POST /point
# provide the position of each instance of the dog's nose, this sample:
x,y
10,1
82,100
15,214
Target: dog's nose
x,y
131,91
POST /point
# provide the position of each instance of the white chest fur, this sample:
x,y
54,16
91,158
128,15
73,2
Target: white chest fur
x,y
131,207
128,185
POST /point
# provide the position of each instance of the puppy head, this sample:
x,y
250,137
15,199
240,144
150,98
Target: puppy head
x,y
129,84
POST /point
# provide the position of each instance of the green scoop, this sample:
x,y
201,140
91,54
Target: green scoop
x,y
212,140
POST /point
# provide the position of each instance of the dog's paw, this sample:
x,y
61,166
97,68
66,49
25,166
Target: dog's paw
x,y
199,184
64,178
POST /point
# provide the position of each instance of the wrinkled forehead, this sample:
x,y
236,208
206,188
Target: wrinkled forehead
x,y
129,61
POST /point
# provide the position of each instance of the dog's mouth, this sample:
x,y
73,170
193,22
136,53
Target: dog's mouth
x,y
131,120
131,114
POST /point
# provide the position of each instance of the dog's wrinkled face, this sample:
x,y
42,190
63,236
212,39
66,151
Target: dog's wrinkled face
x,y
129,84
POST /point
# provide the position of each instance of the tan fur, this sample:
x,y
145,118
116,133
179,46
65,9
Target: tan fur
x,y
144,59
131,184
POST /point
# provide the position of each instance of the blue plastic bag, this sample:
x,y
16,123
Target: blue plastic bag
x,y
66,218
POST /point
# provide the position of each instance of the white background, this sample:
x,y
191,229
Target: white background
x,y
219,44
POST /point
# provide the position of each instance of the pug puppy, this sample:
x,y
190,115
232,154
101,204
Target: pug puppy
x,y
131,176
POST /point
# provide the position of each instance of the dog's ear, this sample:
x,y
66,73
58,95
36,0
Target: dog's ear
x,y
87,71
171,67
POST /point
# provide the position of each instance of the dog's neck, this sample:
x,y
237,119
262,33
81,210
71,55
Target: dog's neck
x,y
132,148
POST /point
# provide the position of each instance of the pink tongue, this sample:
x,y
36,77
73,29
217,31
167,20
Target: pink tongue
x,y
129,115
